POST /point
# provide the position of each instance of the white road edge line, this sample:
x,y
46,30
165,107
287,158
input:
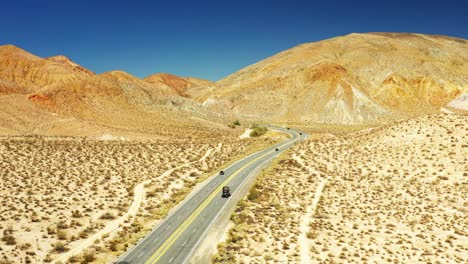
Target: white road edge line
x,y
174,211
222,208
168,216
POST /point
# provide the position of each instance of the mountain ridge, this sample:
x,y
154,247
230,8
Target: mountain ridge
x,y
401,74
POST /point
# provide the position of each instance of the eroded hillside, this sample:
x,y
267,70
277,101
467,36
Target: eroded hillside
x,y
352,79
181,85
32,72
56,96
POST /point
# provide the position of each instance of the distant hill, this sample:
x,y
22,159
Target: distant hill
x,y
55,89
31,72
353,79
65,61
181,85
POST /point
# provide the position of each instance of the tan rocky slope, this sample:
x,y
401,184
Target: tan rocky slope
x,y
180,84
121,100
351,79
7,87
106,90
56,89
32,72
65,61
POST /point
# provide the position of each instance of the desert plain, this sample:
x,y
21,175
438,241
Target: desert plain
x,y
91,163
394,194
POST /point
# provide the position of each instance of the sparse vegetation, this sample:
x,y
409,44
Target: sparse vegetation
x,y
81,185
108,216
402,184
258,130
253,194
88,257
59,247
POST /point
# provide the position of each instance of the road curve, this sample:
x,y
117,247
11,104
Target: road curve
x,y
177,237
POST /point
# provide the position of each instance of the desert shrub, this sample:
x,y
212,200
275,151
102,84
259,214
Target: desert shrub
x,y
236,123
253,194
83,234
223,257
113,246
62,225
107,216
88,257
48,259
74,259
76,214
268,257
35,217
59,247
62,235
9,239
24,246
258,131
51,230
311,235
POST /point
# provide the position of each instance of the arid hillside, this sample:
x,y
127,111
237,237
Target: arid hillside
x,y
180,84
63,60
7,87
396,194
31,72
49,96
352,79
121,100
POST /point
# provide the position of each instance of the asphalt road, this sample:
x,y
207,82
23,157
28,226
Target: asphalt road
x,y
177,237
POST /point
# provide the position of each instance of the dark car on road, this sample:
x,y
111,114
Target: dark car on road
x,y
226,192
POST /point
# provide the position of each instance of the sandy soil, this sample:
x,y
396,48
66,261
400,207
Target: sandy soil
x,y
112,226
306,243
395,194
246,134
64,193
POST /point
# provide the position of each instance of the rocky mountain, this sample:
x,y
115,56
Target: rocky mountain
x,y
180,84
353,79
119,99
7,87
65,61
31,72
58,91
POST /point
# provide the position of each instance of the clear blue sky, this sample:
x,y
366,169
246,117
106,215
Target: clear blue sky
x,y
207,39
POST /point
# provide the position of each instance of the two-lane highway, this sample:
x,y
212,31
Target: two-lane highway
x,y
176,238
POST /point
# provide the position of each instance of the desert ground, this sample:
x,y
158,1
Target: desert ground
x,y
90,162
77,199
394,194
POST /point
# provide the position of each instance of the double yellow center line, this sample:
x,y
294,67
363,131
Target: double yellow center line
x,y
168,243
